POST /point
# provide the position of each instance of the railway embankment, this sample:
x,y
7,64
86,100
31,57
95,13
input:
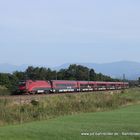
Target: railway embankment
x,y
20,109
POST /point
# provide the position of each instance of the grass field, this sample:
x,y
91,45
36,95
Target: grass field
x,y
18,112
125,119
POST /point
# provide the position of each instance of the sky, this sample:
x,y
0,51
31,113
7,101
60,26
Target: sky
x,y
53,32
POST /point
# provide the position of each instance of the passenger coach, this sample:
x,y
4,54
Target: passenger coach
x,y
63,86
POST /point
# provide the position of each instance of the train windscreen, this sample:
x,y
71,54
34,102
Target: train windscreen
x,y
22,84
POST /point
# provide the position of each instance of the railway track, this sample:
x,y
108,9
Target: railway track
x,y
25,99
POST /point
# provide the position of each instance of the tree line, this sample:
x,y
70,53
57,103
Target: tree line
x,y
73,72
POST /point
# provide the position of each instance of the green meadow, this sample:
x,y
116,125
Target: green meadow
x,y
125,119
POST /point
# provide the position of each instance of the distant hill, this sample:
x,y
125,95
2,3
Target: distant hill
x,y
9,68
115,69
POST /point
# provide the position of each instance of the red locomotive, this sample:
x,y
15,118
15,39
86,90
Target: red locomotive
x,y
33,87
58,86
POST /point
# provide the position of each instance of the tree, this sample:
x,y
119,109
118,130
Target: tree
x,y
92,75
139,80
4,79
30,73
9,81
20,75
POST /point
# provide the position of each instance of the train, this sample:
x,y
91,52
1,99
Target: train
x,y
64,86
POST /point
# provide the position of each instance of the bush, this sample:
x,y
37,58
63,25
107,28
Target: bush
x,y
4,91
35,102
